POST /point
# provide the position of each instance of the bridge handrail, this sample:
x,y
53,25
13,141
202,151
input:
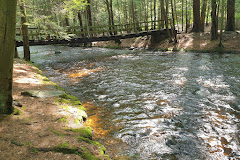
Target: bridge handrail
x,y
89,31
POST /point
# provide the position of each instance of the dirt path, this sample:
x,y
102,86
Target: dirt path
x,y
45,128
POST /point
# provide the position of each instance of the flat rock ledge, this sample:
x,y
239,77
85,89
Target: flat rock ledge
x,y
42,93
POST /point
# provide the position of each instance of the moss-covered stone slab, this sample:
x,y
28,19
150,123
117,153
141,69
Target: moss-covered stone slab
x,y
42,93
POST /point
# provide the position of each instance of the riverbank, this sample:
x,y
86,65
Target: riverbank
x,y
47,122
197,42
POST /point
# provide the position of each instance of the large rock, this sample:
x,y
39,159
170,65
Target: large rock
x,y
42,93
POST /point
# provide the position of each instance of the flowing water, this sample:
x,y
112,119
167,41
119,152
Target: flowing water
x,y
153,105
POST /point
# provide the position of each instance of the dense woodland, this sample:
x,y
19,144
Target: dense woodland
x,y
57,17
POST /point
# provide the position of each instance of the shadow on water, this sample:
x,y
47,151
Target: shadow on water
x,y
153,105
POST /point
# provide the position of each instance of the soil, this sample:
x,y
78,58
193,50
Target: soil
x,y
38,128
198,42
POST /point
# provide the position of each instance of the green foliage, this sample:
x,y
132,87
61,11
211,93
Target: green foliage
x,y
75,5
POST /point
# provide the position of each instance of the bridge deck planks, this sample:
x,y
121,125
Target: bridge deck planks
x,y
92,39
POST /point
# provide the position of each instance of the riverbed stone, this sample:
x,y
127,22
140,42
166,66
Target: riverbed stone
x,y
42,93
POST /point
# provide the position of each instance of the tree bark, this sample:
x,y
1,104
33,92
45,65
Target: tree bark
x,y
25,31
80,22
186,17
173,21
7,51
89,14
162,13
214,28
166,20
230,15
221,24
196,16
203,14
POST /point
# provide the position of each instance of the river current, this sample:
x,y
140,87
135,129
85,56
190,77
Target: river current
x,y
152,105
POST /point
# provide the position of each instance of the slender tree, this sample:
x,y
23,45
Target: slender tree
x,y
203,14
221,24
214,28
7,51
24,31
186,16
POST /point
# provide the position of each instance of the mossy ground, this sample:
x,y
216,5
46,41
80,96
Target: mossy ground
x,y
38,130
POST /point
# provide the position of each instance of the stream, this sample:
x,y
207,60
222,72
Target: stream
x,y
152,105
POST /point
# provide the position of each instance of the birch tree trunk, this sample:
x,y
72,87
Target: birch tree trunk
x,y
7,51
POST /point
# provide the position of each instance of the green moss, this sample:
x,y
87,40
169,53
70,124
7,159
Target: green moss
x,y
34,150
71,100
82,152
102,149
85,132
63,119
57,132
163,49
59,88
175,49
17,143
63,145
87,155
16,111
67,108
66,149
28,144
68,96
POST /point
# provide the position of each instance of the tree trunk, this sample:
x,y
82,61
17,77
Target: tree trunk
x,y
89,15
24,31
175,10
112,17
182,13
214,31
80,22
162,13
230,15
186,17
221,25
154,14
166,20
109,17
196,16
207,15
16,53
173,20
7,51
203,14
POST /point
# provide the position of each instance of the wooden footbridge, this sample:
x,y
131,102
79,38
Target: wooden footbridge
x,y
85,35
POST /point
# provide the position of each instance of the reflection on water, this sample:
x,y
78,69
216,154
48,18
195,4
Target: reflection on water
x,y
153,105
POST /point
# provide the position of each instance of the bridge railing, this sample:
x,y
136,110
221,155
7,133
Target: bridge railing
x,y
118,29
36,33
